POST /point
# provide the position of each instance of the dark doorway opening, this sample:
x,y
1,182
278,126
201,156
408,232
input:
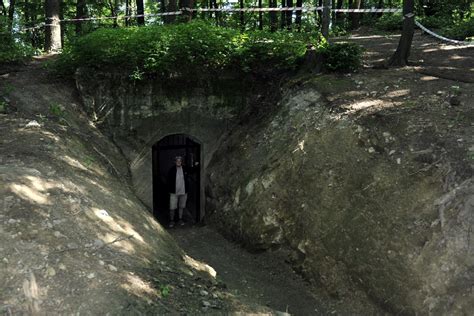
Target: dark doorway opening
x,y
163,153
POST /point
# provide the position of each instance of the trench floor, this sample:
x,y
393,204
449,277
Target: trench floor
x,y
256,278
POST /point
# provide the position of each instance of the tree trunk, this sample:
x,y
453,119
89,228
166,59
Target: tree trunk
x,y
339,4
260,16
242,20
273,15
172,6
299,4
11,14
355,17
53,27
320,4
127,12
61,17
26,12
187,4
80,13
400,57
333,7
326,19
140,11
380,6
282,15
289,14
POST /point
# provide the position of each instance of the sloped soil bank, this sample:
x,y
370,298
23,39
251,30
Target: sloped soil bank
x,y
367,178
74,239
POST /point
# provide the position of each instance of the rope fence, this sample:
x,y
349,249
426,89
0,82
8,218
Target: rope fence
x,y
211,10
185,10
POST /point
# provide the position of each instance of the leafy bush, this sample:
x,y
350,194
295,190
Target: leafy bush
x,y
389,22
342,56
12,49
183,49
461,31
435,22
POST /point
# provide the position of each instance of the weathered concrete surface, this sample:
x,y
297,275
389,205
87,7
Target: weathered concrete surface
x,y
139,114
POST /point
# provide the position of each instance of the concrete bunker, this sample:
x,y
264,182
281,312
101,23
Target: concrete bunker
x,y
163,153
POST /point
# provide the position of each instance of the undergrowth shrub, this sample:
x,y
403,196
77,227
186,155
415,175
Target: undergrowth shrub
x,y
389,22
463,30
434,22
183,49
12,49
342,57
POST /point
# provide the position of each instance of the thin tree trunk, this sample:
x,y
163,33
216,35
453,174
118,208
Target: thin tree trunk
x,y
339,15
400,57
355,17
326,19
127,12
273,15
187,4
380,6
53,27
333,7
350,4
61,17
205,4
11,14
282,15
299,4
242,20
289,14
113,6
320,13
260,16
140,11
80,13
172,6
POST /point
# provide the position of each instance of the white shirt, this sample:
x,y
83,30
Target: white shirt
x,y
180,189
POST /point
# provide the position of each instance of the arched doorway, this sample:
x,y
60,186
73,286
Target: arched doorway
x,y
164,152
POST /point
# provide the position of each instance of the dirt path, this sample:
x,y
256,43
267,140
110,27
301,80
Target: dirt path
x,y
428,55
257,279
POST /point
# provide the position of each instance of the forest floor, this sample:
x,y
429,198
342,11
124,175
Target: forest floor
x,y
258,283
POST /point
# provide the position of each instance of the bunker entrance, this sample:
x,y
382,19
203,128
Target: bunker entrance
x,y
164,153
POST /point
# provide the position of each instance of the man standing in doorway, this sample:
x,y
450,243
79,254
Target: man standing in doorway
x,y
177,188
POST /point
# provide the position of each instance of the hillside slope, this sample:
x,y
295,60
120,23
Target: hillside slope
x,y
73,236
368,178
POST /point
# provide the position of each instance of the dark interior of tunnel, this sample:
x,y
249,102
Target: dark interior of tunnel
x,y
164,153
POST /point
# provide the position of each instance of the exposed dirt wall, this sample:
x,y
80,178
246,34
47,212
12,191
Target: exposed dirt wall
x,y
372,202
74,238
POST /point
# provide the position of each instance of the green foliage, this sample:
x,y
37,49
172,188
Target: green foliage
x,y
3,106
56,110
434,22
339,29
342,57
389,22
464,30
164,290
88,161
183,49
12,48
7,89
